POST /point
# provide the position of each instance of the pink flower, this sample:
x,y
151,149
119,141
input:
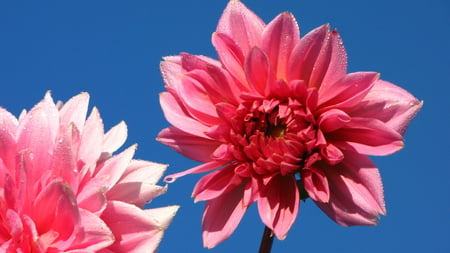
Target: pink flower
x,y
62,190
276,113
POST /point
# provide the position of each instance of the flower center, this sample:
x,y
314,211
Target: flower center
x,y
272,136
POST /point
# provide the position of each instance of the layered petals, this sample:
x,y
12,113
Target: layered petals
x,y
60,183
278,119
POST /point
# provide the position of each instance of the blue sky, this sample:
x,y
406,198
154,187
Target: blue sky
x,y
112,50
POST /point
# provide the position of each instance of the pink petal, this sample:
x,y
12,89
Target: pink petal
x,y
64,159
136,193
8,122
242,25
305,55
197,102
75,111
37,134
198,169
278,39
55,208
316,184
115,138
191,146
218,83
348,91
356,191
145,171
133,229
178,117
332,120
172,71
336,66
279,203
258,71
391,104
91,139
367,136
216,183
95,235
113,168
230,55
219,222
7,146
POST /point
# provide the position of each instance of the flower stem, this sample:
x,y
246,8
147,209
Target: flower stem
x,y
266,241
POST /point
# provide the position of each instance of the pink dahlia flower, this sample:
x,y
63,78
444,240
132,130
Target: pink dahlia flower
x,y
278,113
62,190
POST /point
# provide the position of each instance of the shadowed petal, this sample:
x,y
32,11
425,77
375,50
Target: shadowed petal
x,y
216,183
356,191
219,222
279,203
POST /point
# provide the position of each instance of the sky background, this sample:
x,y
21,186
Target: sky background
x,y
112,50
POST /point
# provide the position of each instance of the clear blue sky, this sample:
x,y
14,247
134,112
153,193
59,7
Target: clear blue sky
x,y
112,50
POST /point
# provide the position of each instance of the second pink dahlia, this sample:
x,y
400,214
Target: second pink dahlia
x,y
278,119
63,190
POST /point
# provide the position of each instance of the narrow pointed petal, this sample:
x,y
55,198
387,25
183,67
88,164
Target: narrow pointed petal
x,y
242,25
305,54
115,137
399,107
198,169
145,171
91,139
337,66
75,110
219,222
279,38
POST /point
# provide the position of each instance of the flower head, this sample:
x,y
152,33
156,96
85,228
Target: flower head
x,y
62,189
278,113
